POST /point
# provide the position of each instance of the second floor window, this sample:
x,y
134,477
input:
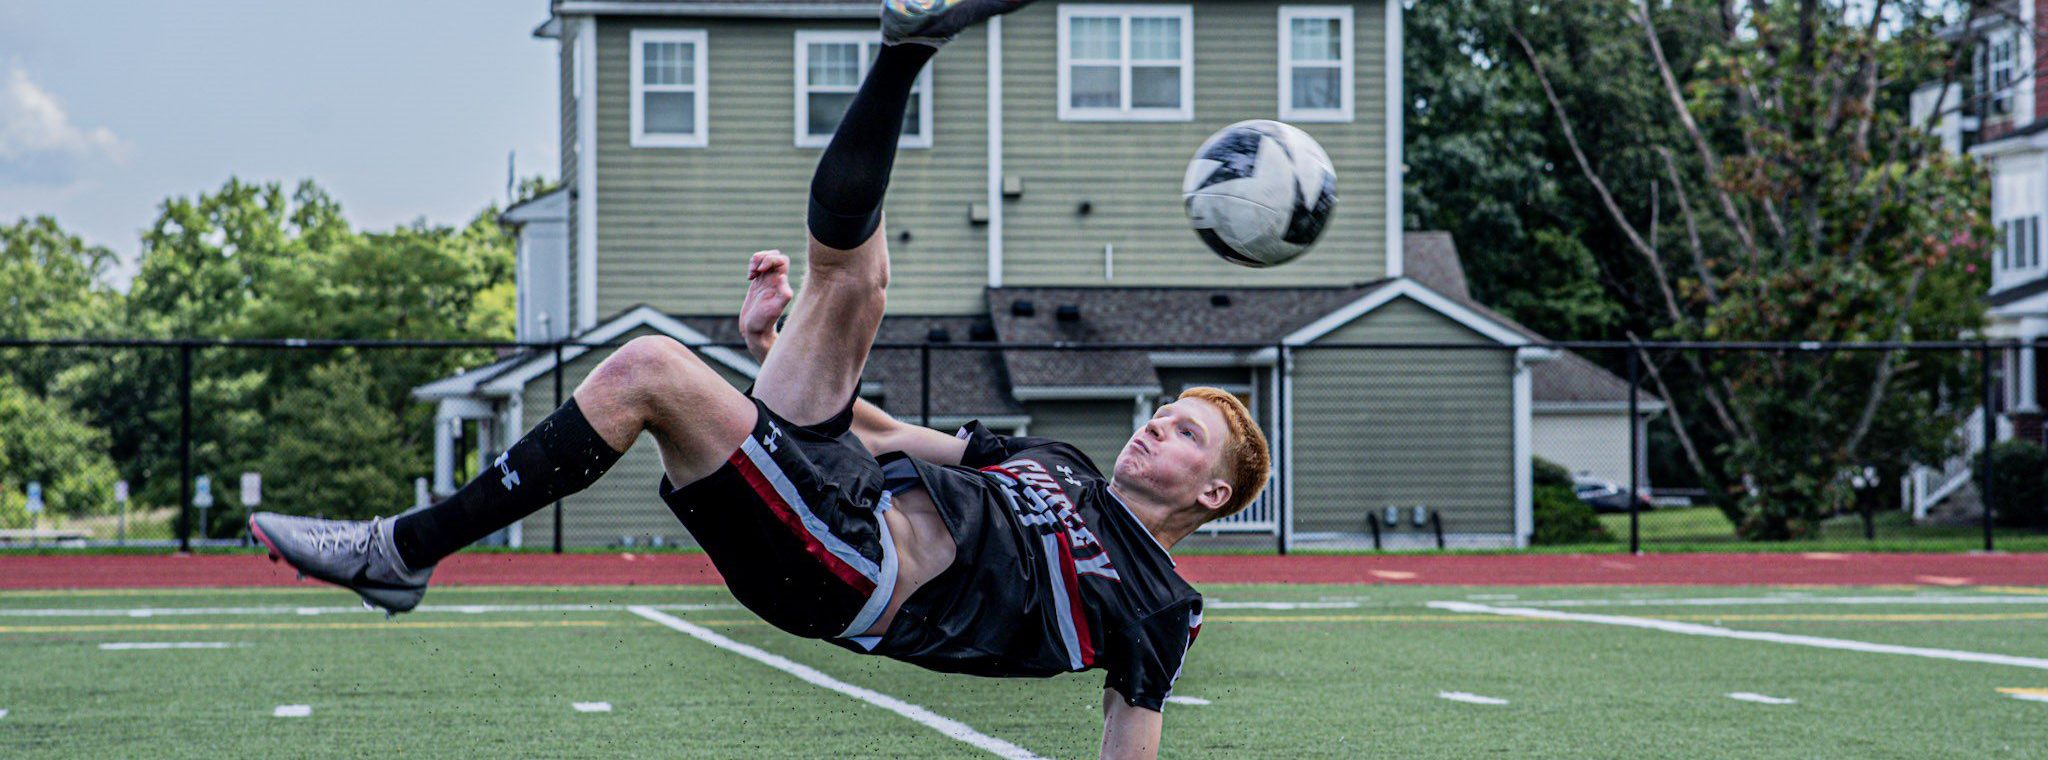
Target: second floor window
x,y
829,70
1126,62
1992,75
1315,63
2020,244
669,89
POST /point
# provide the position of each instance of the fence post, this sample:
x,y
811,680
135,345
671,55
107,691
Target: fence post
x,y
185,447
924,382
1283,514
558,404
1990,437
1635,451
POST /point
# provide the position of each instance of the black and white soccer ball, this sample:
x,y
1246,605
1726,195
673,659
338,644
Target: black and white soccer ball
x,y
1260,193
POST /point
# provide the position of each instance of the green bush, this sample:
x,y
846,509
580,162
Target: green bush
x,y
2019,484
1561,518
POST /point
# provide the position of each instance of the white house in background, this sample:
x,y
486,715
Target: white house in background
x,y
540,230
1999,115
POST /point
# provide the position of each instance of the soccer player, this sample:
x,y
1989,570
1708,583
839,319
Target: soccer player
x,y
972,553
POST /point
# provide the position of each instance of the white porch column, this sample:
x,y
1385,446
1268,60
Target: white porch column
x,y
446,426
2032,330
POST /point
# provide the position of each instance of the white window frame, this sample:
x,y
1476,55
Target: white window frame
x,y
2000,72
1186,15
1346,63
868,40
700,43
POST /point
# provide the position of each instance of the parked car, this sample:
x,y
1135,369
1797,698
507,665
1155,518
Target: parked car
x,y
1605,496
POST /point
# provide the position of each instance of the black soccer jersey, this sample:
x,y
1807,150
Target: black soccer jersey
x,y
1053,574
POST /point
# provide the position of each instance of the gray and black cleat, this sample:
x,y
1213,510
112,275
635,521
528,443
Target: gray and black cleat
x,y
935,22
358,556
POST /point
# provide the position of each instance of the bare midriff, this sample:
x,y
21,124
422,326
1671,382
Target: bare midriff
x,y
924,548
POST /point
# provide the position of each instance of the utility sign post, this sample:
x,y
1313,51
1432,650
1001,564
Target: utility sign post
x,y
252,489
202,497
121,498
35,508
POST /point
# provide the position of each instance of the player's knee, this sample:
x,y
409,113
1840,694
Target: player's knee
x,y
645,363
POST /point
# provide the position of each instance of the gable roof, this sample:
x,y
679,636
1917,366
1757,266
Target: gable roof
x,y
1196,317
509,375
728,8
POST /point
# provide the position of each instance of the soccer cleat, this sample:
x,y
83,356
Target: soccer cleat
x,y
935,22
358,556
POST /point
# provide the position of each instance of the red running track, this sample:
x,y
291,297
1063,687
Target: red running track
x,y
160,571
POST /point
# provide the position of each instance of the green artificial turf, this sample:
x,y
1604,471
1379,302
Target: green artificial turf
x,y
1358,675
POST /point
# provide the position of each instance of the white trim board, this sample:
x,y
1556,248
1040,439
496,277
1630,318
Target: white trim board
x,y
515,380
715,10
1385,294
1396,159
1082,392
585,189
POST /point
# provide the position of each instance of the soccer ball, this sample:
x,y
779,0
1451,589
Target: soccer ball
x,y
1260,192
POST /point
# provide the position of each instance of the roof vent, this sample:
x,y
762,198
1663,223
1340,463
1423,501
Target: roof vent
x,y
1219,300
1069,313
1023,308
938,335
982,332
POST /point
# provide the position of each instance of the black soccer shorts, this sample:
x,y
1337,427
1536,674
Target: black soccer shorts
x,y
793,521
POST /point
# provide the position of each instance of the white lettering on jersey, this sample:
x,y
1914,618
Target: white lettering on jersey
x,y
1047,504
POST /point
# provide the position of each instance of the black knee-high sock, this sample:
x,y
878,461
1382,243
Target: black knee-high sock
x,y
558,457
846,191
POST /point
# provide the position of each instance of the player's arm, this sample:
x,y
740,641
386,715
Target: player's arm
x,y
768,292
1128,733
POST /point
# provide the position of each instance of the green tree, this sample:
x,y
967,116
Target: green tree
x,y
48,444
1793,203
52,285
339,455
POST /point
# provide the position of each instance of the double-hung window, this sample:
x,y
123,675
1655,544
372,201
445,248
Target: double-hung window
x,y
829,70
1315,63
670,87
1126,62
2001,74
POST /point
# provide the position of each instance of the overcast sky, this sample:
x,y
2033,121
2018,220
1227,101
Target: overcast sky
x,y
401,110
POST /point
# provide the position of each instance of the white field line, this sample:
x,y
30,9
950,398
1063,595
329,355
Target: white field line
x,y
1280,605
1459,696
1188,700
292,711
3,713
2027,697
1695,629
1746,696
129,646
468,609
1743,601
591,707
944,725
482,609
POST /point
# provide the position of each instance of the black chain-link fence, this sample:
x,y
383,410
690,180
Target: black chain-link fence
x,y
1453,445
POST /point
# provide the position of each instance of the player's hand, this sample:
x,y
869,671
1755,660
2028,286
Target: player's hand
x,y
768,293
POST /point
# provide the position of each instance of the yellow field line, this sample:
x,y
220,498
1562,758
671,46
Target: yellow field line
x,y
377,625
2037,590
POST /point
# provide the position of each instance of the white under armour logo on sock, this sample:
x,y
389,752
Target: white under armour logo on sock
x,y
511,478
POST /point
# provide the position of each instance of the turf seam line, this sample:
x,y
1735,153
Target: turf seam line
x,y
951,728
1695,629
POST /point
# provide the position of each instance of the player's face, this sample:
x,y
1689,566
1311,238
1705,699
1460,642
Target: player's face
x,y
1174,454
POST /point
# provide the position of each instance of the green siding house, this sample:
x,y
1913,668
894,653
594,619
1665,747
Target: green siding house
x,y
1036,200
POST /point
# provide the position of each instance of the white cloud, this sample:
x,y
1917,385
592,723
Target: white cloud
x,y
38,142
